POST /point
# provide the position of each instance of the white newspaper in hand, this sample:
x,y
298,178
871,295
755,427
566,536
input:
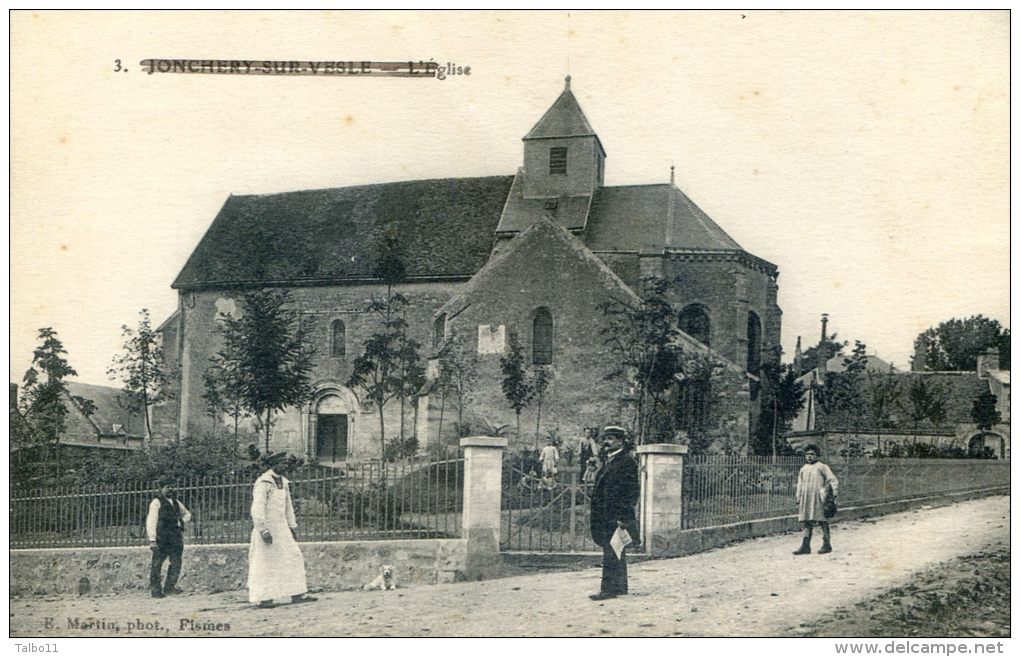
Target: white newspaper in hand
x,y
621,539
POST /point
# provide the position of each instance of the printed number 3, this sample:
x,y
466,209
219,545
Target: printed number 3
x,y
117,67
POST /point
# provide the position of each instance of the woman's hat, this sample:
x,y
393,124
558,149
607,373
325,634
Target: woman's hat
x,y
274,459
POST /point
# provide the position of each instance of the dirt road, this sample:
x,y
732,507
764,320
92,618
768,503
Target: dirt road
x,y
754,588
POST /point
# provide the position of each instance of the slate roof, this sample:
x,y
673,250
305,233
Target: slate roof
x,y
110,411
538,235
446,228
571,212
651,217
563,119
541,232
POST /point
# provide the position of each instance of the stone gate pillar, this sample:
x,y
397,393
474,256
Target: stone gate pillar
x,y
483,481
662,468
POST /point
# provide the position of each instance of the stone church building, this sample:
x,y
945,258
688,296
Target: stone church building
x,y
534,253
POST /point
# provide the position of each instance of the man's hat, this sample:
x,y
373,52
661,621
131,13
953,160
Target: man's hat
x,y
614,430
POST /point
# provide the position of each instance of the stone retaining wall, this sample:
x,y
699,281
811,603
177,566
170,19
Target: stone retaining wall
x,y
211,568
690,541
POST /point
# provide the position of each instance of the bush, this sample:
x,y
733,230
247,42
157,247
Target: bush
x,y
400,449
930,451
194,456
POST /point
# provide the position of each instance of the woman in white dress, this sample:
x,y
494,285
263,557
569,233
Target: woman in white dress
x,y
276,568
815,484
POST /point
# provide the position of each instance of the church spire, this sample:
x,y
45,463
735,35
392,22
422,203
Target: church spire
x,y
563,119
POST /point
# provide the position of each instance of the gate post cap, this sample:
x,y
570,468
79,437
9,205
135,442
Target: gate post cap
x,y
662,448
483,441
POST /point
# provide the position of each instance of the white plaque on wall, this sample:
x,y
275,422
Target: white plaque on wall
x,y
491,338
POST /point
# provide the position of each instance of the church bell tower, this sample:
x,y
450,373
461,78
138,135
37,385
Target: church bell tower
x,y
562,154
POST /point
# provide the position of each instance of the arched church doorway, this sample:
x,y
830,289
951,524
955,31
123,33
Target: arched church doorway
x,y
332,422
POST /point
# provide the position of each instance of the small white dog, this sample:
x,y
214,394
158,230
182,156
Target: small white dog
x,y
384,581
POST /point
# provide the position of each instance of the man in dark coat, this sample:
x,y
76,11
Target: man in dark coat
x,y
612,507
165,528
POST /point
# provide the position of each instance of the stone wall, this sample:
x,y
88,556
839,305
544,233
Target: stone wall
x,y
866,442
210,568
729,290
292,430
678,543
535,274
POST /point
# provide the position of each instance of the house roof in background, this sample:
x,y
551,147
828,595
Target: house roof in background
x,y
111,413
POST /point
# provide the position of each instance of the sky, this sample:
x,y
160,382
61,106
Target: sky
x,y
866,154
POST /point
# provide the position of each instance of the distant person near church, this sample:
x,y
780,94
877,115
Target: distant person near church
x,y
612,508
164,526
816,485
276,568
550,458
587,448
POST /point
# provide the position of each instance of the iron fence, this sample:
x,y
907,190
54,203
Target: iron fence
x,y
367,501
545,514
719,490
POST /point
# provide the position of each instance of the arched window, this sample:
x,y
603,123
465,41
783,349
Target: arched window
x,y
542,339
439,332
753,343
694,322
338,339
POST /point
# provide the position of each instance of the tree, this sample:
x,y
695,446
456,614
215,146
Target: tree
x,y
840,395
919,401
693,401
223,388
142,370
647,343
984,411
955,344
457,373
517,389
269,353
813,356
410,374
882,395
781,400
44,391
390,365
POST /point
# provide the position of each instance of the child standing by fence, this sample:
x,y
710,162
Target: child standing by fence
x,y
815,484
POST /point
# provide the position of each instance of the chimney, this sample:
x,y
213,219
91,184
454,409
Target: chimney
x,y
987,362
825,324
798,357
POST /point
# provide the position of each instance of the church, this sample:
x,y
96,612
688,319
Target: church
x,y
535,254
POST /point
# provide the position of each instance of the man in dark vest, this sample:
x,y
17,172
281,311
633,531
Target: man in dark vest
x,y
612,507
165,528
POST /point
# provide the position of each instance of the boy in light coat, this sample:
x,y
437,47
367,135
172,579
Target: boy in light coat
x,y
815,484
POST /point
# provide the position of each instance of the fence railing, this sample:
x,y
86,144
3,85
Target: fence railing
x,y
720,490
365,501
545,514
